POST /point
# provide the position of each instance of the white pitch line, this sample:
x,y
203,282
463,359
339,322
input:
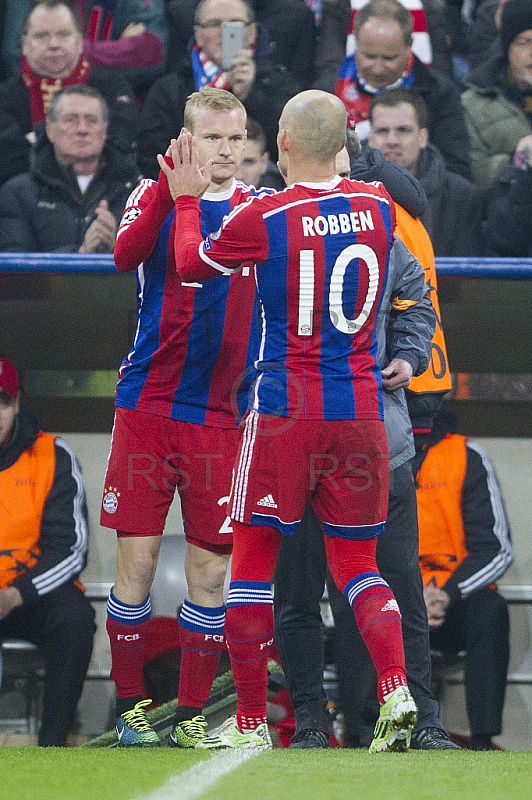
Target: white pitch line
x,y
196,780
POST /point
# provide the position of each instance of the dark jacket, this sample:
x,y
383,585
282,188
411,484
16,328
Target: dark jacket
x,y
290,26
15,118
63,538
508,231
404,188
446,123
406,334
481,39
43,210
447,128
453,217
162,114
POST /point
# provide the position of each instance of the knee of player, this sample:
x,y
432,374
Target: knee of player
x,y
210,575
139,566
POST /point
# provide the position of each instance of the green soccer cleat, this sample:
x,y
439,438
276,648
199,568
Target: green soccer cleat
x,y
229,736
189,733
133,728
397,717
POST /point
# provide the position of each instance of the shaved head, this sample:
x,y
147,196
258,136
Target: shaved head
x,y
316,122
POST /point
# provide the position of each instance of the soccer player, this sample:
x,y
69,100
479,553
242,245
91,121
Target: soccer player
x,y
180,393
314,429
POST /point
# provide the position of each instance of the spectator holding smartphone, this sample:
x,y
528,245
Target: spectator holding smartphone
x,y
259,83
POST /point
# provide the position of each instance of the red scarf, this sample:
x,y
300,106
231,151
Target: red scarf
x,y
43,89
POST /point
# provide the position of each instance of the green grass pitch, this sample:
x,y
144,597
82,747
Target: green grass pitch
x,y
32,773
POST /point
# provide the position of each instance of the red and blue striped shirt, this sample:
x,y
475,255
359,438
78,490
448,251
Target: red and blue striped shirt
x,y
322,255
195,344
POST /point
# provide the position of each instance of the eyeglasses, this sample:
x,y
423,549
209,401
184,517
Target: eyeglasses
x,y
213,24
73,120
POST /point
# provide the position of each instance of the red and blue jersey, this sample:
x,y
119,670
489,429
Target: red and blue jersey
x,y
322,255
195,343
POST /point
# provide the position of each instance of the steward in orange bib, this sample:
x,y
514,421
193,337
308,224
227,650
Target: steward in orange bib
x,y
464,546
43,548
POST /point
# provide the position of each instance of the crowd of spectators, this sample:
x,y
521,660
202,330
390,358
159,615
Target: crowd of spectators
x,y
92,92
470,62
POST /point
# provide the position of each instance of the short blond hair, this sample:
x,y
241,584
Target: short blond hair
x,y
213,100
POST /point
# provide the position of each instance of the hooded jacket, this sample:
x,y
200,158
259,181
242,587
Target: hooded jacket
x,y
495,124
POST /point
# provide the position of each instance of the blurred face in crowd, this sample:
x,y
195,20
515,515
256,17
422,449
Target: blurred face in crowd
x,y
220,136
208,32
52,43
396,133
78,134
254,164
342,164
9,408
382,54
520,59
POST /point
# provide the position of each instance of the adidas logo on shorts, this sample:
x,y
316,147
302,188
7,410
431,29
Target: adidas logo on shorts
x,y
267,501
391,605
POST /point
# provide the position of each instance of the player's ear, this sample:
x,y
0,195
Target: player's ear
x,y
284,140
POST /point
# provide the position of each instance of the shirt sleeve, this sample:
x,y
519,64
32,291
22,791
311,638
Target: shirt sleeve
x,y
63,540
486,528
146,209
144,50
241,238
412,320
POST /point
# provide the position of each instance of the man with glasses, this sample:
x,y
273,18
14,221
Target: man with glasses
x,y
52,44
291,26
260,84
72,198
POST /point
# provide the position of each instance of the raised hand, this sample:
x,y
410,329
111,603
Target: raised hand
x,y
184,175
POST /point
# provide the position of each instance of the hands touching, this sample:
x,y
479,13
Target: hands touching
x,y
184,175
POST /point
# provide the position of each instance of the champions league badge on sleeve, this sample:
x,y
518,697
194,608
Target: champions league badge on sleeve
x,y
110,499
130,216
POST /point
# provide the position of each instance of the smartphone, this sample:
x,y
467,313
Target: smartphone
x,y
232,42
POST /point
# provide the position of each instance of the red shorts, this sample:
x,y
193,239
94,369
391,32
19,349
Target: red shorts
x,y
152,456
340,466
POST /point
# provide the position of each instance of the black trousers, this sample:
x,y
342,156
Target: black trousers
x,y
299,583
480,625
62,624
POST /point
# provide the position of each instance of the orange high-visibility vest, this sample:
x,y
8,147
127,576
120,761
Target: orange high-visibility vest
x,y
437,377
24,488
439,506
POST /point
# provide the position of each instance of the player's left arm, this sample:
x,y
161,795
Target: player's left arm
x,y
187,182
242,238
